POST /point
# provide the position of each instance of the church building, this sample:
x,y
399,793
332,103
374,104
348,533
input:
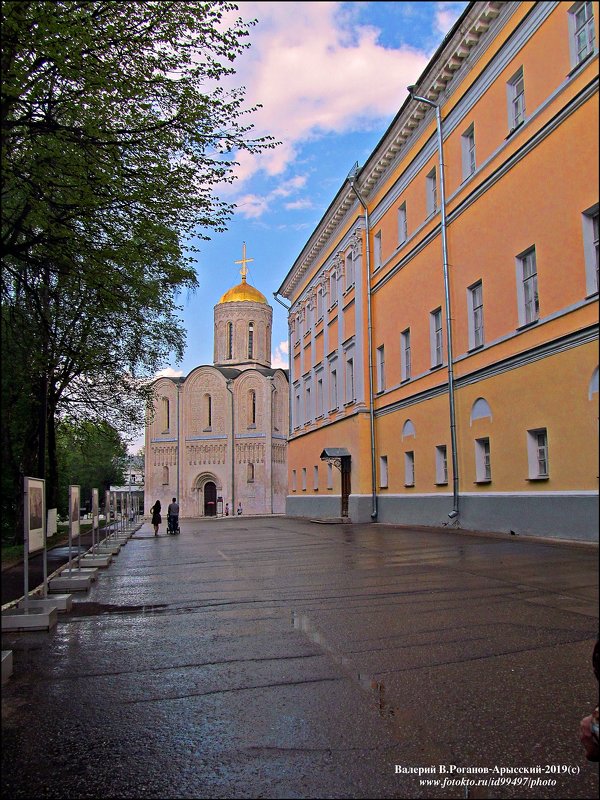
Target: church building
x,y
217,439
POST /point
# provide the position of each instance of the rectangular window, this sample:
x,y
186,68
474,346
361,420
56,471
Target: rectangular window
x,y
475,318
441,464
349,270
297,409
581,27
332,288
303,479
590,249
293,480
316,478
432,202
409,468
349,380
329,476
319,303
483,468
405,356
166,415
307,407
402,224
468,152
529,306
377,257
537,452
380,368
320,409
334,390
515,89
383,472
436,337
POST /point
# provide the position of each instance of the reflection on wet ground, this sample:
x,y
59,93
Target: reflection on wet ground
x,y
285,659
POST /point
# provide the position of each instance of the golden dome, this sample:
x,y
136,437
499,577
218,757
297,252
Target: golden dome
x,y
243,292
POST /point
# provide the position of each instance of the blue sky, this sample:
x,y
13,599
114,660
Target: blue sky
x,y
330,77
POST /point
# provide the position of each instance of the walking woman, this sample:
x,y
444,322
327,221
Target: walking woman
x,y
156,518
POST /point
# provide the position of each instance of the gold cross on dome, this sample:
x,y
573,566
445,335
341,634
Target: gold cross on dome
x,y
243,261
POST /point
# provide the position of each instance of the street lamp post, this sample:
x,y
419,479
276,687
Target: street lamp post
x,y
438,118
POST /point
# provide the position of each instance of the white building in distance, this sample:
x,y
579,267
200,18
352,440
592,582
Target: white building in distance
x,y
218,437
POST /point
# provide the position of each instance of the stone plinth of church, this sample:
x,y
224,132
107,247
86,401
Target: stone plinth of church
x,y
218,437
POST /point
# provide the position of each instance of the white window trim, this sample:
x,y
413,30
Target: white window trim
x,y
533,453
590,26
294,481
402,224
303,479
432,192
483,468
377,251
405,362
471,295
409,468
590,251
469,162
441,465
520,268
381,368
436,361
511,95
316,478
383,472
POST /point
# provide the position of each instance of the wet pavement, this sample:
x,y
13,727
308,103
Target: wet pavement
x,y
277,658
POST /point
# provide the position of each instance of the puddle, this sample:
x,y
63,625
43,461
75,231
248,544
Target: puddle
x,y
97,609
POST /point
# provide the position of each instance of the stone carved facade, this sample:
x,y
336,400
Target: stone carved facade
x,y
239,399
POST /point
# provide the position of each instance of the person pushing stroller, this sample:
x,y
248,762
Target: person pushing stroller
x,y
173,517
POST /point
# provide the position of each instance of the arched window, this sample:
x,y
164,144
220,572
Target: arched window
x,y
250,473
275,411
250,340
480,409
268,342
165,476
208,410
408,429
251,407
230,340
166,421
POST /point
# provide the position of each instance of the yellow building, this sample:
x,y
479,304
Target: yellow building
x,y
444,312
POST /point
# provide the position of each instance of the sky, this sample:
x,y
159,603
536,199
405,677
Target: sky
x,y
330,78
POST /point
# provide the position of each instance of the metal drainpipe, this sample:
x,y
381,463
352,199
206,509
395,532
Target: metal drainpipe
x,y
230,390
370,347
444,227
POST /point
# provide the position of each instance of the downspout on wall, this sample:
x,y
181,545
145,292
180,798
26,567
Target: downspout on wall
x,y
352,181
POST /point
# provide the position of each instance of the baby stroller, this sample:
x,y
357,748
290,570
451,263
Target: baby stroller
x,y
172,524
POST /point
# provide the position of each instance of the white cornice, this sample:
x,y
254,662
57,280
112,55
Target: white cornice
x,y
435,79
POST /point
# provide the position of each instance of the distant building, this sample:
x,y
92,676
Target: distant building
x,y
218,437
513,405
133,472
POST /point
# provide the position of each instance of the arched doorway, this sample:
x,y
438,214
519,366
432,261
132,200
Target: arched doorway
x,y
210,499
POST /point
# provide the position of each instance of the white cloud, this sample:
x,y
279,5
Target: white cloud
x,y
168,372
297,205
279,359
446,15
315,72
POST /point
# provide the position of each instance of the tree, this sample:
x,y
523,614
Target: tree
x,y
90,455
115,137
